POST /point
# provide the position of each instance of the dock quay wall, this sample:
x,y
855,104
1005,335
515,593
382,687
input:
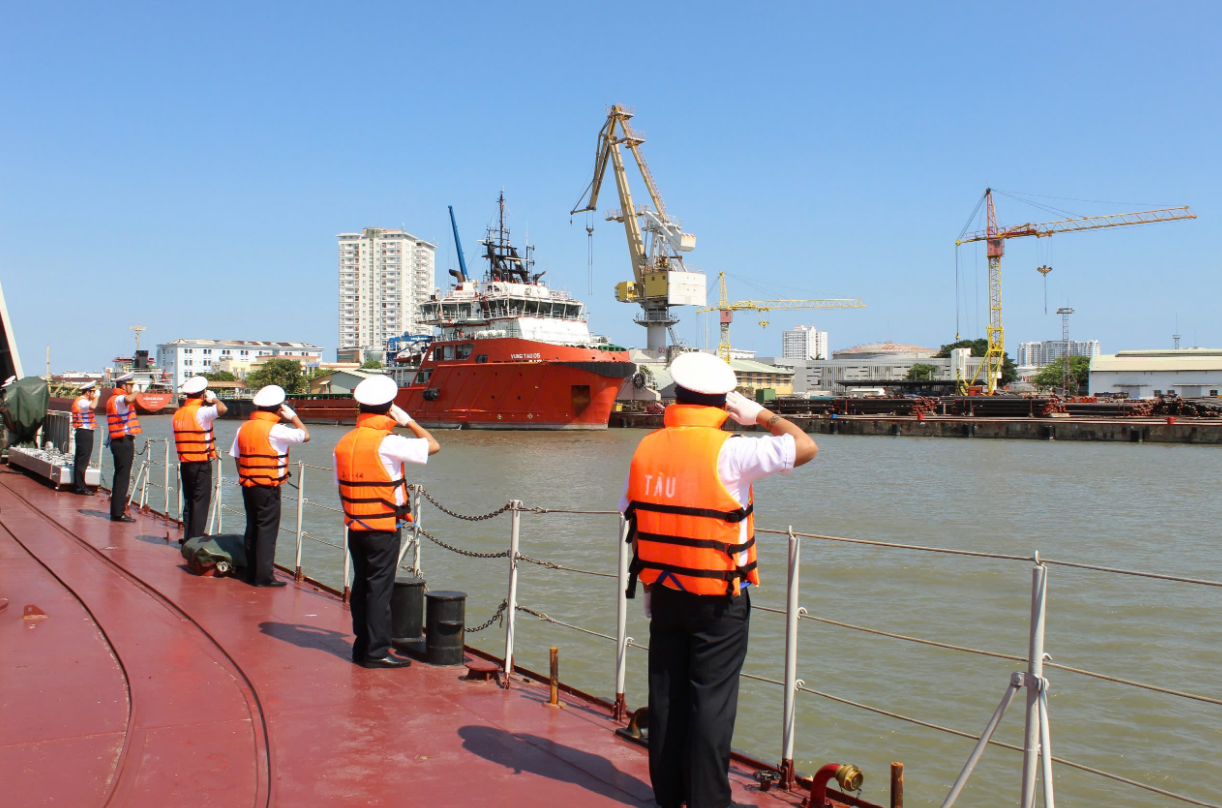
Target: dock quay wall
x,y
1125,430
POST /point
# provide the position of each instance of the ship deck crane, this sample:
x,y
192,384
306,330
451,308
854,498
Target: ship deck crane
x,y
660,278
996,237
727,309
461,275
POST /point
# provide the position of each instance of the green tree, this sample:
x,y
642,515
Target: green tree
x,y
921,372
221,376
372,364
1052,375
1009,371
284,372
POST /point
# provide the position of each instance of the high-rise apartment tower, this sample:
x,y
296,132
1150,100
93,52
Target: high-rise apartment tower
x,y
804,342
383,276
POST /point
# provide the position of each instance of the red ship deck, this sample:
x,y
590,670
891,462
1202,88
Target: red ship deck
x,y
147,685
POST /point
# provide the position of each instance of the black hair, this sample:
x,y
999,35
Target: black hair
x,y
200,394
376,409
685,396
269,409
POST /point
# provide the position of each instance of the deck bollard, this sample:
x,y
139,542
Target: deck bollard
x,y
407,615
445,620
297,574
620,711
792,612
515,527
553,679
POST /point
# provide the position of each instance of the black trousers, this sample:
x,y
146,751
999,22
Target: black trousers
x,y
80,462
262,504
375,554
122,450
697,645
196,497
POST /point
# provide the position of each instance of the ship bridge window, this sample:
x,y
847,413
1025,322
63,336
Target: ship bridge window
x,y
423,376
463,351
481,358
447,351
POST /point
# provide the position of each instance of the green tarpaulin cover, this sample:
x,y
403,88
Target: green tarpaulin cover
x,y
215,555
25,408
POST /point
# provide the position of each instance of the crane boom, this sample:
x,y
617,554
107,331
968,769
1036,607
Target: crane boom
x,y
726,307
996,237
660,279
462,262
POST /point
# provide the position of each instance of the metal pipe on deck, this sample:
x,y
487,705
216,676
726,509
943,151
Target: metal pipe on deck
x,y
620,711
515,527
792,612
297,574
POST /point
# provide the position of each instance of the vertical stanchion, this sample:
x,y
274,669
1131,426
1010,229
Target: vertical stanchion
x,y
347,567
620,711
416,536
214,504
300,508
166,480
515,522
220,497
178,487
788,722
131,492
1035,673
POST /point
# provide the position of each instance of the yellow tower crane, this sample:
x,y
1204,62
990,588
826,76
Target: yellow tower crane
x,y
995,237
727,309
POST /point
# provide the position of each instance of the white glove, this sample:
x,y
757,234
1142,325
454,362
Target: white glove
x,y
209,396
286,412
401,418
742,409
648,606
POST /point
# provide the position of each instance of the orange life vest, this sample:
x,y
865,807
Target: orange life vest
x,y
258,461
194,444
685,521
82,414
366,491
122,425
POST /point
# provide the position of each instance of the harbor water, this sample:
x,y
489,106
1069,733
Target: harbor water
x,y
1144,507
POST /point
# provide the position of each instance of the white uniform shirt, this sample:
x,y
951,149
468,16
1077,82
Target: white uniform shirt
x,y
740,463
394,451
280,437
205,415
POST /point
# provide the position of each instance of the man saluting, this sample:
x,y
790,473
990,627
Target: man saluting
x,y
196,445
84,422
123,426
690,500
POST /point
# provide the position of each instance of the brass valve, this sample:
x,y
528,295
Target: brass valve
x,y
850,778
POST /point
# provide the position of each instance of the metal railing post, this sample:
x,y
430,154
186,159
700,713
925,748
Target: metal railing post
x,y
166,480
178,488
135,484
347,568
1035,673
515,526
620,711
416,535
792,612
220,497
214,504
297,575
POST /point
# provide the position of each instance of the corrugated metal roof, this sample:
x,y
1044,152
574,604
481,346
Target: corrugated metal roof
x,y
751,366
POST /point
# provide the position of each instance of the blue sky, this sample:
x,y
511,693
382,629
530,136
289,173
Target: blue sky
x,y
187,166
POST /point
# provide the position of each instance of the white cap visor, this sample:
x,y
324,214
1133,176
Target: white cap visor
x,y
195,384
270,396
87,386
703,373
126,377
376,391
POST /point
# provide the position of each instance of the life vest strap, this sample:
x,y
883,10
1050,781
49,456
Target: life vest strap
x,y
729,548
733,517
375,483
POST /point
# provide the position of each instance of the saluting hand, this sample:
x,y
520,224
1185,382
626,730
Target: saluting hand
x,y
286,412
742,409
401,417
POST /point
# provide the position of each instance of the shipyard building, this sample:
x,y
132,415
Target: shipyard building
x,y
1186,372
183,358
383,277
872,365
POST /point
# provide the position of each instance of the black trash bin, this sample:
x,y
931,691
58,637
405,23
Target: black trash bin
x,y
407,615
445,621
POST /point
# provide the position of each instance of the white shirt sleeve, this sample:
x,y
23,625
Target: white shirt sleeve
x,y
623,500
396,450
233,450
281,437
206,415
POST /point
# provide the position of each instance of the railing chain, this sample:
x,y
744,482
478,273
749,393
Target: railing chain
x,y
465,518
467,553
500,615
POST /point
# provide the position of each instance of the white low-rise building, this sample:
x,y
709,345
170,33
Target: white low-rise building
x,y
1187,372
183,358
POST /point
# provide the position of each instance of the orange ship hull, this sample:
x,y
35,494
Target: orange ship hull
x,y
503,383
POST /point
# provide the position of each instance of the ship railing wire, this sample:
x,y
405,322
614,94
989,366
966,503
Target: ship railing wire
x,y
1037,730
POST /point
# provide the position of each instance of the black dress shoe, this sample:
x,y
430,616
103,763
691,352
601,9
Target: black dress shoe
x,y
85,493
272,584
387,661
123,518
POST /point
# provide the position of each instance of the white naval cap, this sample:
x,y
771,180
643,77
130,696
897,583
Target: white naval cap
x,y
87,386
8,382
376,391
126,377
270,396
703,373
195,384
